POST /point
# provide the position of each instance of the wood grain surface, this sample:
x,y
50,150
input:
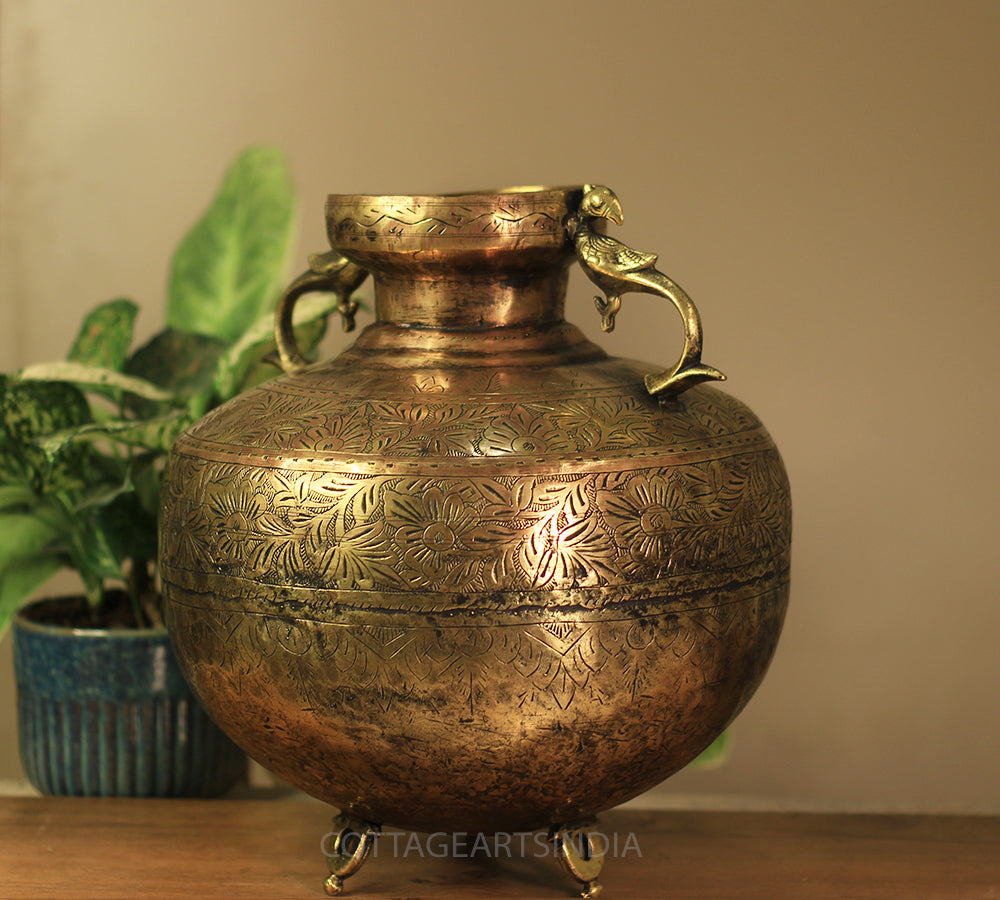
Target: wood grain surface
x,y
247,849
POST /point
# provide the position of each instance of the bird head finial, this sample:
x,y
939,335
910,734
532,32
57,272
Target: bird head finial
x,y
600,202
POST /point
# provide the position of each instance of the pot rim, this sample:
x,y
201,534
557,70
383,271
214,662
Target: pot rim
x,y
483,228
476,197
23,623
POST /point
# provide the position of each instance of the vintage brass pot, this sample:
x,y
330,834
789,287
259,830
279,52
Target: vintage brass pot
x,y
474,574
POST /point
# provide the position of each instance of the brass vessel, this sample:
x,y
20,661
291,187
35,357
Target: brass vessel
x,y
474,574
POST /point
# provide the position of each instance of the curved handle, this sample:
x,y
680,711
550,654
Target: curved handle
x,y
329,272
617,269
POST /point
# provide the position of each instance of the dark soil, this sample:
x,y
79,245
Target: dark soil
x,y
74,612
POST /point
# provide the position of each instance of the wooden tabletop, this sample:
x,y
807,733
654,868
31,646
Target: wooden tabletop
x,y
271,849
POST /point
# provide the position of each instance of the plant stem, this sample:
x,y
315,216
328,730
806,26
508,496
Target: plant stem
x,y
138,588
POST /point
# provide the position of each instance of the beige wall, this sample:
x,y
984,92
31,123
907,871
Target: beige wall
x,y
822,177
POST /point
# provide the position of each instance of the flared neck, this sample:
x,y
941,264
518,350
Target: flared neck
x,y
468,262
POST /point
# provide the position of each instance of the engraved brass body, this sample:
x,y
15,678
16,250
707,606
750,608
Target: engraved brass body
x,y
471,574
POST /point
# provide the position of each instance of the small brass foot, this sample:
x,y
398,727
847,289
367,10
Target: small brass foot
x,y
353,841
574,848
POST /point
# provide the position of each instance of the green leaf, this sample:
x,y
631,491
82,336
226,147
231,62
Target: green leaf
x,y
101,495
265,365
20,582
93,556
156,434
23,535
84,375
130,531
146,475
106,335
258,340
179,361
26,559
29,410
715,754
12,495
230,267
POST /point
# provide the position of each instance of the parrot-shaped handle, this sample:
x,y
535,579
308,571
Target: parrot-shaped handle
x,y
327,272
618,269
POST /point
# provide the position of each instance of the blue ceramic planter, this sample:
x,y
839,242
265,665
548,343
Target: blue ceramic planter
x,y
107,713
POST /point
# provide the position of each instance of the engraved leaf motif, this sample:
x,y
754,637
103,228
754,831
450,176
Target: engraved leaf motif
x,y
365,499
427,384
521,498
578,417
562,687
705,488
358,558
300,498
347,432
502,567
270,559
499,499
423,429
269,419
522,434
292,490
576,554
590,651
572,497
299,432
331,487
698,547
602,422
191,531
398,416
181,473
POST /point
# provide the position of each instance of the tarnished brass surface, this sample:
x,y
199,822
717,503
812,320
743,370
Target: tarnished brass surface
x,y
471,575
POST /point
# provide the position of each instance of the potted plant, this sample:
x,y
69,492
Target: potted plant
x,y
102,707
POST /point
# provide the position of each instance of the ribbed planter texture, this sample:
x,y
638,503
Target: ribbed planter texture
x,y
107,713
